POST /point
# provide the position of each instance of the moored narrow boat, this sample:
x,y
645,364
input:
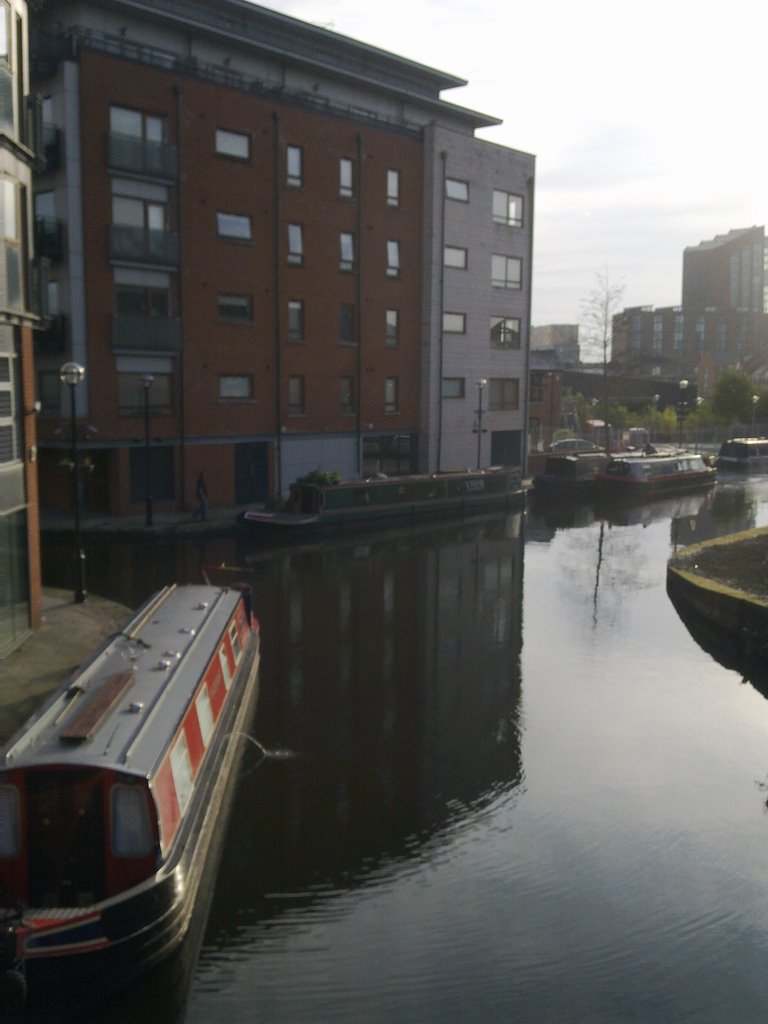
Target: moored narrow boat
x,y
113,796
312,504
569,476
640,475
744,455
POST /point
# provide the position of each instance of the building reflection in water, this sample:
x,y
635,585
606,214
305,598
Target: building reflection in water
x,y
392,669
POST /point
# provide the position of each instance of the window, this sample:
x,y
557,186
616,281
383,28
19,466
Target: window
x,y
236,386
295,320
393,259
506,271
454,257
507,208
347,395
296,244
141,301
346,183
233,225
235,307
505,332
295,396
130,394
6,78
137,125
347,324
504,393
294,171
455,189
393,328
391,395
132,834
10,230
393,188
346,251
146,214
536,388
454,323
233,144
453,387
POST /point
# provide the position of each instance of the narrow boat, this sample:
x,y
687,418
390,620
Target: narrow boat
x,y
744,455
314,504
569,476
642,475
113,797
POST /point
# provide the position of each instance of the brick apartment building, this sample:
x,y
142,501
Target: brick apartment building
x,y
723,319
273,249
20,278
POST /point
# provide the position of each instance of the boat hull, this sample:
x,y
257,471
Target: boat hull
x,y
377,503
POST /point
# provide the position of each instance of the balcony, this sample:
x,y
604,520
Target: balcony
x,y
53,339
50,239
143,245
146,334
131,155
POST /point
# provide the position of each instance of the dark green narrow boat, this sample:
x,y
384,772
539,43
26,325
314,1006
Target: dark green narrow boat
x,y
381,500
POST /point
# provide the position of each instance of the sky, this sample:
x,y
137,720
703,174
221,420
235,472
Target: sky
x,y
647,122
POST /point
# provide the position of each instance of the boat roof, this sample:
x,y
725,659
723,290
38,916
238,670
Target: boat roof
x,y
121,708
373,481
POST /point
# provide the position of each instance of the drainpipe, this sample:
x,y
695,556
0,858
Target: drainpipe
x,y
278,318
359,310
180,287
441,296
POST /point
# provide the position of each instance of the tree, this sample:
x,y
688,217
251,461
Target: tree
x,y
598,309
732,396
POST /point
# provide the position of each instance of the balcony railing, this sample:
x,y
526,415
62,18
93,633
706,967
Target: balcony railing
x,y
131,155
49,238
143,245
146,333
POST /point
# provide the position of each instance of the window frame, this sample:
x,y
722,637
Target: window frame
x,y
246,303
393,187
506,281
498,401
391,396
230,153
295,250
296,405
462,319
244,378
347,318
346,252
454,185
393,258
295,312
514,220
461,254
460,390
514,345
346,177
392,328
294,175
347,407
224,219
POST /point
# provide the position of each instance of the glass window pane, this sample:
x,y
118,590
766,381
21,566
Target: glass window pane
x,y
125,122
234,144
131,825
9,821
455,189
233,225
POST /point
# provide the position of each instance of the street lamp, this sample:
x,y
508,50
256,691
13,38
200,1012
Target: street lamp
x,y
682,409
755,400
481,384
146,380
73,374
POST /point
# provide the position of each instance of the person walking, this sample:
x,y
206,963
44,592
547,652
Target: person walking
x,y
201,492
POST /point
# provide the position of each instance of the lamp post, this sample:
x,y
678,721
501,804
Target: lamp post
x,y
73,374
481,384
682,410
146,380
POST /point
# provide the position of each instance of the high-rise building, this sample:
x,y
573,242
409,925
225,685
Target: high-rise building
x,y
274,249
723,319
20,294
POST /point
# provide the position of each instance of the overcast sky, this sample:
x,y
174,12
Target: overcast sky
x,y
648,121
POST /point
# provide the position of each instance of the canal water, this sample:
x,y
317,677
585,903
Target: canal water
x,y
505,782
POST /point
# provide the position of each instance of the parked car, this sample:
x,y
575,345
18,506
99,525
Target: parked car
x,y
570,445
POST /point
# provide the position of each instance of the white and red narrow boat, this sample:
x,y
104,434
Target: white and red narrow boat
x,y
113,796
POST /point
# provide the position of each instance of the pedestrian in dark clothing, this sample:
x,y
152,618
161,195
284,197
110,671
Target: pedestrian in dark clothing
x,y
201,491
